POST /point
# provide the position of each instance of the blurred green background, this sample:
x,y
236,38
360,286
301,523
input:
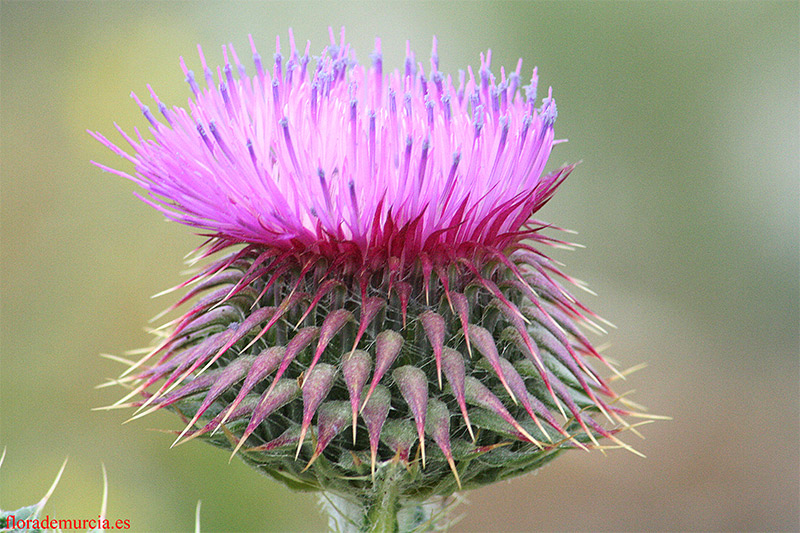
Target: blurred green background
x,y
685,115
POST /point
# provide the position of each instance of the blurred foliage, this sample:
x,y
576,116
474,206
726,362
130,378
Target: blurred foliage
x,y
685,115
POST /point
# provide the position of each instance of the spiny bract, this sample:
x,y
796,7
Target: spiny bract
x,y
386,301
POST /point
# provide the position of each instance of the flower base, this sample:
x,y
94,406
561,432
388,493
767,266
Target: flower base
x,y
385,511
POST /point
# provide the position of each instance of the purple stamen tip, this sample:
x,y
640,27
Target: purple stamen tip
x,y
549,112
407,104
513,83
192,83
257,63
494,96
276,95
377,57
205,138
162,108
530,90
447,110
410,67
478,119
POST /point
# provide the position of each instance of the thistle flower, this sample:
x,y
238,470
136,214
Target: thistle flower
x,y
385,326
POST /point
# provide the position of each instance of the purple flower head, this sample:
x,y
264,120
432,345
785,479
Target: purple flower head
x,y
334,157
388,326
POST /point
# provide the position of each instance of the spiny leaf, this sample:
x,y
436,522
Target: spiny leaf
x,y
462,308
243,409
485,343
404,291
355,370
387,347
332,418
288,437
298,343
369,309
270,401
478,394
330,327
399,436
435,329
517,384
413,386
438,426
453,364
263,365
316,387
230,375
374,414
324,288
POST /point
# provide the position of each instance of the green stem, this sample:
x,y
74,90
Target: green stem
x,y
384,511
344,516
